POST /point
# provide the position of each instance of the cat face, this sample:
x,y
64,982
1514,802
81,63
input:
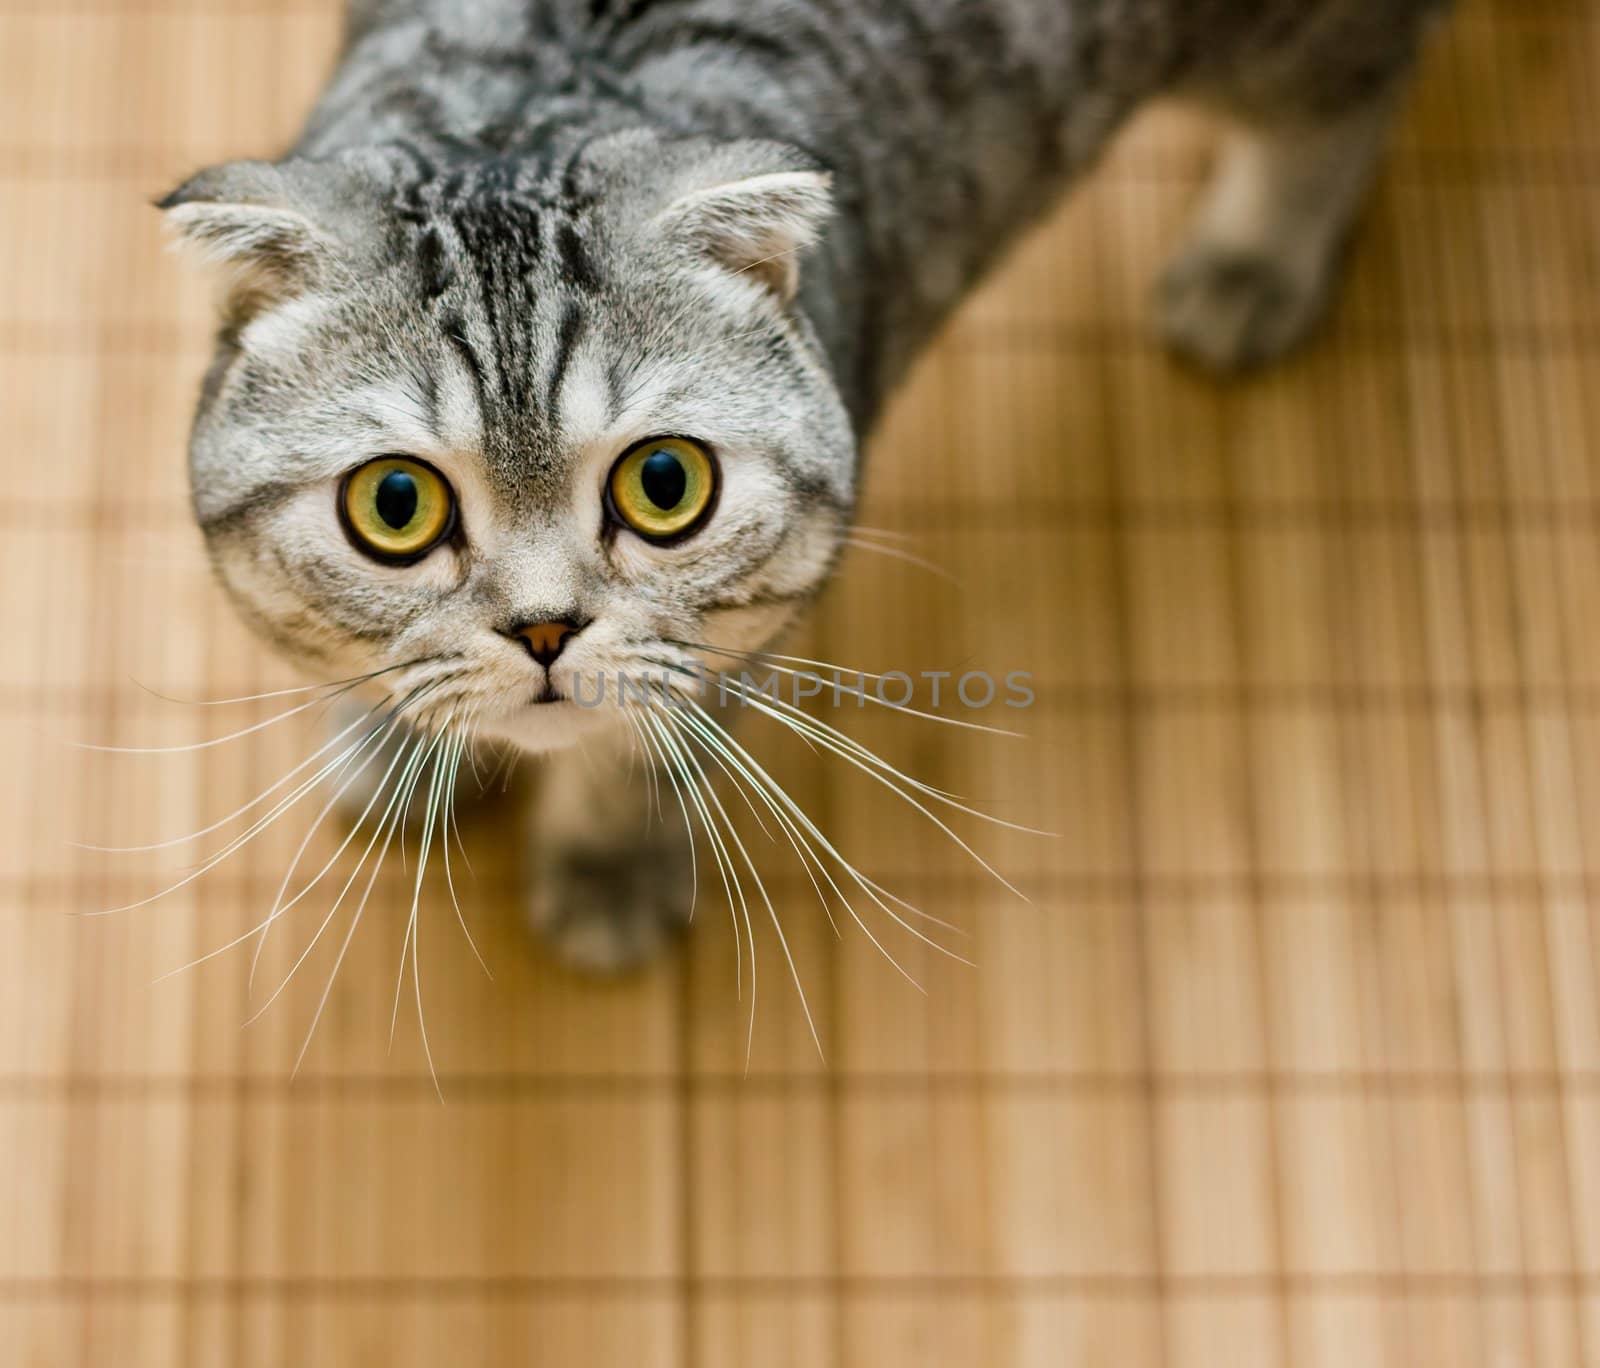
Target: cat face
x,y
529,430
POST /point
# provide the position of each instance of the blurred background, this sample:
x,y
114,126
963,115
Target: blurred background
x,y
1293,1056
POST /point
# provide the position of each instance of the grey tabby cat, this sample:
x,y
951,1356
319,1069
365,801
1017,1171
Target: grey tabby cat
x,y
550,349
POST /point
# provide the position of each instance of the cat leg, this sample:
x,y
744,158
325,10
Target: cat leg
x,y
612,878
1256,272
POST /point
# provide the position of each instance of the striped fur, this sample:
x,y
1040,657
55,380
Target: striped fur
x,y
519,235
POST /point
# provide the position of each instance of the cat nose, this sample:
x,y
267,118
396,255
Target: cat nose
x,y
545,640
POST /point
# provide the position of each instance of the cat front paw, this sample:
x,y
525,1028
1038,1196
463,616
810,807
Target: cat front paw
x,y
607,909
1232,310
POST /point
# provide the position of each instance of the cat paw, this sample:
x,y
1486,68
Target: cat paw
x,y
607,910
1232,310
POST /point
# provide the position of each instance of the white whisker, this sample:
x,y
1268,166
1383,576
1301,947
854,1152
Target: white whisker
x,y
449,825
243,838
652,786
883,777
237,812
754,811
784,825
283,693
811,828
391,817
415,747
647,735
261,927
432,753
718,854
220,740
289,906
382,736
416,900
895,553
772,914
849,748
769,783
767,658
699,791
470,745
886,532
823,734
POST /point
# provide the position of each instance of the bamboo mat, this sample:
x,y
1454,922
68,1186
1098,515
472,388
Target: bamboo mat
x,y
1292,1059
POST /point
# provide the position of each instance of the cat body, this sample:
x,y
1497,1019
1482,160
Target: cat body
x,y
946,125
533,257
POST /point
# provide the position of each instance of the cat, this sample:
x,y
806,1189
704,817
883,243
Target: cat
x,y
548,352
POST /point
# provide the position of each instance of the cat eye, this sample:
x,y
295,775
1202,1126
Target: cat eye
x,y
663,488
396,509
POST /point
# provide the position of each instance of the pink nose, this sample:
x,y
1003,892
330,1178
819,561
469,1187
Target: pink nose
x,y
545,640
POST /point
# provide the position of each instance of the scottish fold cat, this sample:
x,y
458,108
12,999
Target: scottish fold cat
x,y
548,351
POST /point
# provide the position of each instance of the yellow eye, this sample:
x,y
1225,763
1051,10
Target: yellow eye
x,y
664,487
397,509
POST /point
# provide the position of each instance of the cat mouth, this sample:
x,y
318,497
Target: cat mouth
x,y
538,721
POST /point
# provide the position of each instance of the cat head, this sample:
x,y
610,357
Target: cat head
x,y
530,428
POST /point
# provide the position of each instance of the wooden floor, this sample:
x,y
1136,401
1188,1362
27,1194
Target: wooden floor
x,y
1294,1058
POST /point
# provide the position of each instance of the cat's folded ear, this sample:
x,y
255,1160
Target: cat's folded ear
x,y
751,207
246,220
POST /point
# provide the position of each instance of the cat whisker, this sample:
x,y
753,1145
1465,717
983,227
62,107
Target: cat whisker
x,y
472,756
283,805
504,768
470,744
387,826
240,811
869,886
783,941
244,837
806,721
880,770
768,657
382,735
719,854
647,734
215,741
907,557
410,758
672,733
449,826
708,740
776,256
261,927
285,693
278,908
687,701
810,827
786,826
754,812
330,694
706,799
633,756
386,731
716,739
654,810
413,937
833,739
